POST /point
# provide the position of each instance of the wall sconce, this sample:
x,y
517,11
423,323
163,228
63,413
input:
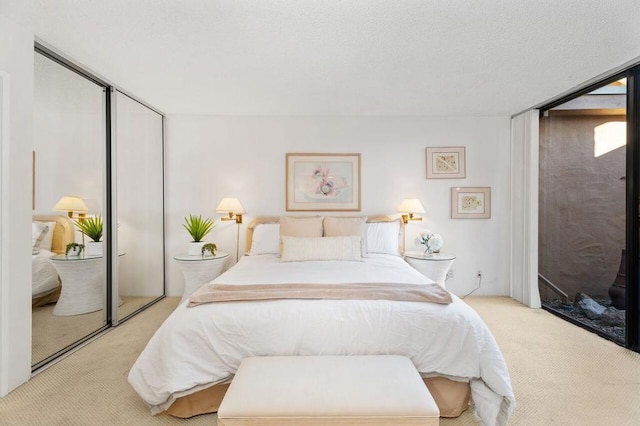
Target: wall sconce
x,y
71,204
231,206
410,206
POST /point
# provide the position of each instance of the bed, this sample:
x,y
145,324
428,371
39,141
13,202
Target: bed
x,y
50,235
198,349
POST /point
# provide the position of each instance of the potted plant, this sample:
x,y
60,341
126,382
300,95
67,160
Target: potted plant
x,y
92,228
209,247
198,228
73,249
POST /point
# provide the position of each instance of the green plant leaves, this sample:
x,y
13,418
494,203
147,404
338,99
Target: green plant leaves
x,y
91,227
209,247
73,246
198,227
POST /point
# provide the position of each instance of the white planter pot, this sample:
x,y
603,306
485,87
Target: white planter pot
x,y
195,249
93,248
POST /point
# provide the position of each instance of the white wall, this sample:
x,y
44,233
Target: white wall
x,y
16,65
68,139
211,157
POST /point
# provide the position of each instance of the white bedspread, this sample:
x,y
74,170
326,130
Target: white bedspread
x,y
44,276
204,345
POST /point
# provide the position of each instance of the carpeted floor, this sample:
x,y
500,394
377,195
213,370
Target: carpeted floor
x,y
51,333
561,374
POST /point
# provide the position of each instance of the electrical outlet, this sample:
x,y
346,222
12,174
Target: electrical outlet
x,y
449,274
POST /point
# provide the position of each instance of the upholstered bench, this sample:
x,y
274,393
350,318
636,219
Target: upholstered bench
x,y
326,390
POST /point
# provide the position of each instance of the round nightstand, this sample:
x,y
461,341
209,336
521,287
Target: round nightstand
x,y
198,270
83,284
434,266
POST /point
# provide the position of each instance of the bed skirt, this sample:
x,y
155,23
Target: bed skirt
x,y
47,298
452,398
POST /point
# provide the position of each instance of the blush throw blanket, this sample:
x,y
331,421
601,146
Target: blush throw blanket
x,y
212,293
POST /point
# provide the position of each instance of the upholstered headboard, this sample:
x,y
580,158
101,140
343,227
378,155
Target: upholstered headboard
x,y
276,219
63,233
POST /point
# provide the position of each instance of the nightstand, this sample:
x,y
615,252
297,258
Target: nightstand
x,y
198,270
83,284
434,266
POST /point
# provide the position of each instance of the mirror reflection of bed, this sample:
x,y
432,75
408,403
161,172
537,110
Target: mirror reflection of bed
x,y
52,332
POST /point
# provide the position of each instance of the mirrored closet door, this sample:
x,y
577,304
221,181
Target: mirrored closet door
x,y
68,289
98,206
139,203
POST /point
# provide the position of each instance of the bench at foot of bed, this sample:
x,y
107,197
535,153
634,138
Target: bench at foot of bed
x,y
325,390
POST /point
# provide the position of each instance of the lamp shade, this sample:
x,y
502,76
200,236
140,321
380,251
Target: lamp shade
x,y
230,205
411,205
70,203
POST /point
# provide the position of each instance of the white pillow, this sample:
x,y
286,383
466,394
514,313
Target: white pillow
x,y
384,237
297,249
38,232
46,242
265,239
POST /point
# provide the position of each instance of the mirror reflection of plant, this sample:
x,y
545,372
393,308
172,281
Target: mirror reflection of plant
x,y
198,227
73,247
209,247
91,227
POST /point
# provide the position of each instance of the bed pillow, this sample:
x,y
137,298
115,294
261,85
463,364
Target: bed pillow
x,y
265,239
47,240
300,227
296,249
38,232
347,226
384,237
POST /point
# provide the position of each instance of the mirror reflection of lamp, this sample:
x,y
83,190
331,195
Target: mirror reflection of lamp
x,y
72,204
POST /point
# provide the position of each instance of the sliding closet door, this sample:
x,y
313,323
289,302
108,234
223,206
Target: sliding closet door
x,y
139,168
68,292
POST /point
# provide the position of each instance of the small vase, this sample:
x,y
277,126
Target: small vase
x,y
428,251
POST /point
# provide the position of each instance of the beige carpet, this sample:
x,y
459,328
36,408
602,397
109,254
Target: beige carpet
x,y
51,333
561,374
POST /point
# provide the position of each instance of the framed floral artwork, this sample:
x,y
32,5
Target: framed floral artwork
x,y
471,203
323,182
446,163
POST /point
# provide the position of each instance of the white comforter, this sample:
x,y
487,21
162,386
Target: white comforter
x,y
204,345
44,277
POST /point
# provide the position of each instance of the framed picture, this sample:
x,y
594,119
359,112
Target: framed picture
x,y
323,182
445,163
471,203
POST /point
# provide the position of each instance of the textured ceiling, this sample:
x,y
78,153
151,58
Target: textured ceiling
x,y
339,57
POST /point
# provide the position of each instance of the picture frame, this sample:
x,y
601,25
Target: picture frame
x,y
446,163
471,203
322,182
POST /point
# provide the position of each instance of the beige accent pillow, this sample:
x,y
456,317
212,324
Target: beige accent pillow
x,y
300,227
295,249
347,226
